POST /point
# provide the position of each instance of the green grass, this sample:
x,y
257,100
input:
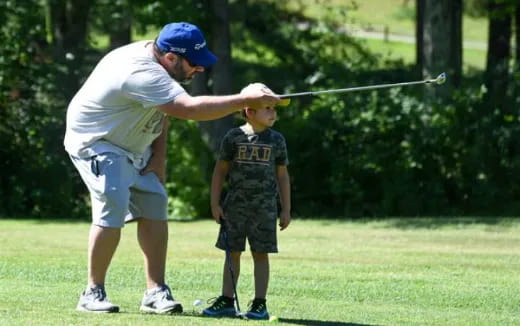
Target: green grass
x,y
392,272
392,50
398,16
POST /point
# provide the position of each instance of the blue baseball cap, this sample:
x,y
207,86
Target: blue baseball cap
x,y
187,40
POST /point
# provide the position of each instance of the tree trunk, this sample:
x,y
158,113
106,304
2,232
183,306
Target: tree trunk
x,y
442,43
213,131
419,36
455,32
499,53
120,31
517,35
67,24
69,21
516,77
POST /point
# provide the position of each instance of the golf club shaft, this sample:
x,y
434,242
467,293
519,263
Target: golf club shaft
x,y
229,261
354,89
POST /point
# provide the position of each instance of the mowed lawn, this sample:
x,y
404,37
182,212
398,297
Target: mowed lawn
x,y
449,271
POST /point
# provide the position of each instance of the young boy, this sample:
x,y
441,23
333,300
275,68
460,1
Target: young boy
x,y
254,159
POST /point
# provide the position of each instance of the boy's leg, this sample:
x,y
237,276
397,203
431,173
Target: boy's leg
x,y
258,308
227,285
261,273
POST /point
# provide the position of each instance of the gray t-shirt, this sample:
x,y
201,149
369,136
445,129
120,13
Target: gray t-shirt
x,y
114,111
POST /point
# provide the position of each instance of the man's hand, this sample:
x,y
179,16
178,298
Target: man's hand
x,y
258,96
157,165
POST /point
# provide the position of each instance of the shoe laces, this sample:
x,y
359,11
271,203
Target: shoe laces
x,y
99,293
217,302
256,306
165,293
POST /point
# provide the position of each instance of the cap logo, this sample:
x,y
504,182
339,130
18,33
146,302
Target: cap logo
x,y
179,50
199,46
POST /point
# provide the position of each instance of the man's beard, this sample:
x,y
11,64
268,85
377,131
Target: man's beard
x,y
179,74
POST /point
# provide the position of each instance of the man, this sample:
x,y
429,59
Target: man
x,y
116,135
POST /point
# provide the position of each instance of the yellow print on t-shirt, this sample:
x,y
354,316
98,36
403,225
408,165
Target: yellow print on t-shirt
x,y
254,153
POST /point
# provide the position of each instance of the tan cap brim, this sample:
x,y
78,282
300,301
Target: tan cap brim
x,y
284,102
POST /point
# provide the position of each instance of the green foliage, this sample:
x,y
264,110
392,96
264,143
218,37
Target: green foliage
x,y
35,169
387,152
189,164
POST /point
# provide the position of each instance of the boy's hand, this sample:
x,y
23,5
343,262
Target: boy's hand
x,y
217,212
285,220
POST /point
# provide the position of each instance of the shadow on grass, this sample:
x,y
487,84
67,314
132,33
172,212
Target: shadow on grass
x,y
305,322
407,223
451,222
309,322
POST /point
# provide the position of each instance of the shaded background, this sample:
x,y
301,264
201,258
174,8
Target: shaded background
x,y
446,150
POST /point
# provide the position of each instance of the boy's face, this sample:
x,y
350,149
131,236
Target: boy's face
x,y
265,116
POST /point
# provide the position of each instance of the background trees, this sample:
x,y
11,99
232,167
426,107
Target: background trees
x,y
392,152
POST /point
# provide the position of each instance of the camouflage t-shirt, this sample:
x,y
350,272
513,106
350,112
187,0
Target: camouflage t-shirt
x,y
253,157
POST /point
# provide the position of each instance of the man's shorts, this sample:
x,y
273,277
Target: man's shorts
x,y
118,192
257,224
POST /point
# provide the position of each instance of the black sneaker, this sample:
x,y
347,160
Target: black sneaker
x,y
258,310
95,300
221,306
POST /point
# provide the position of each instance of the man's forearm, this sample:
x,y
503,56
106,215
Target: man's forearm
x,y
159,144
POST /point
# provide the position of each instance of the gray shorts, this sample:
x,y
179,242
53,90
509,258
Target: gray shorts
x,y
118,192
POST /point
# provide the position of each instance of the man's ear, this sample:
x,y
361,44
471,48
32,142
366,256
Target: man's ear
x,y
172,56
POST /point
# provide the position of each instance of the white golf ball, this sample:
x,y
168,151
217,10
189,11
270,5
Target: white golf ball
x,y
197,303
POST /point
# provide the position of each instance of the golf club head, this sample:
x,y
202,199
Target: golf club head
x,y
241,315
441,79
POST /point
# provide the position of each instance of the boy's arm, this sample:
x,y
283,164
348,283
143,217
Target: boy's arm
x,y
217,181
284,185
157,163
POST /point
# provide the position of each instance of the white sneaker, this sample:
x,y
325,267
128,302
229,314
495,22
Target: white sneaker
x,y
159,300
95,300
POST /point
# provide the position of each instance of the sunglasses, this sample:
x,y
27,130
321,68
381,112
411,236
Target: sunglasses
x,y
190,63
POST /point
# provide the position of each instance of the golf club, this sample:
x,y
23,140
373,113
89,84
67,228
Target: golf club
x,y
286,98
224,234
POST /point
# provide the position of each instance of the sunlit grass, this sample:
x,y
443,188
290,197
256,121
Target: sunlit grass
x,y
377,272
392,50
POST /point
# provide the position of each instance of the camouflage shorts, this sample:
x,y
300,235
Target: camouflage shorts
x,y
258,225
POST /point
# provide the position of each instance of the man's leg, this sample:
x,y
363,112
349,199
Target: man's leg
x,y
103,242
153,239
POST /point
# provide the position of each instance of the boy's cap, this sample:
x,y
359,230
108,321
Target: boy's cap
x,y
187,40
256,86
